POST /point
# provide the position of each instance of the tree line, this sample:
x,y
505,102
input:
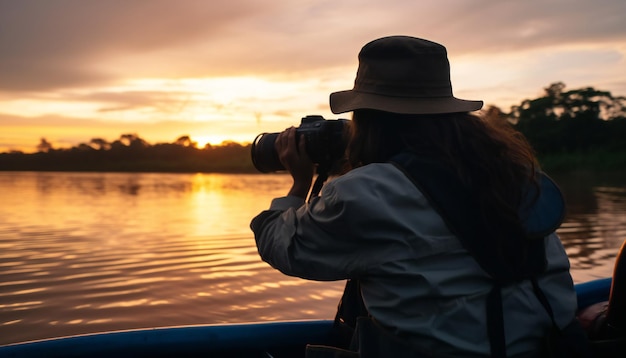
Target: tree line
x,y
131,153
576,129
580,128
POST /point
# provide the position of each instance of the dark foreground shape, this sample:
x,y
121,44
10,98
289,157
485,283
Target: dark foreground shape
x,y
608,332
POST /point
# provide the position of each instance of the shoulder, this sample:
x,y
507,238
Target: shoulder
x,y
372,176
372,187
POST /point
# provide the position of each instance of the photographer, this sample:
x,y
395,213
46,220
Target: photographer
x,y
443,224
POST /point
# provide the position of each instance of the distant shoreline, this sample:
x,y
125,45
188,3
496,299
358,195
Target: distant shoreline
x,y
241,163
599,160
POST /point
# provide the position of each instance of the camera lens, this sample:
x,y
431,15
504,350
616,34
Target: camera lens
x,y
264,155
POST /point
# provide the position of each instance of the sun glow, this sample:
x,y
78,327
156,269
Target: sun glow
x,y
208,110
202,140
233,98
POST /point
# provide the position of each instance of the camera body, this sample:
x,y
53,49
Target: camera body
x,y
325,143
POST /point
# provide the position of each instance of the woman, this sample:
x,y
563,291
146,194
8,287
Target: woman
x,y
423,279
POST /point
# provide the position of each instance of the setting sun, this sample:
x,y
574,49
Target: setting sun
x,y
203,140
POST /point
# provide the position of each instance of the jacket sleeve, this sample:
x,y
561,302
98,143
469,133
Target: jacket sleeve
x,y
301,239
363,223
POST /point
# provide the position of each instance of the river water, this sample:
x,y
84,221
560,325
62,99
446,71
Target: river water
x,y
90,252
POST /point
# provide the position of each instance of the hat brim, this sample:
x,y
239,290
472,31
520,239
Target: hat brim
x,y
346,101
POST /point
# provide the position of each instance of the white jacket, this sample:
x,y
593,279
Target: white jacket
x,y
417,279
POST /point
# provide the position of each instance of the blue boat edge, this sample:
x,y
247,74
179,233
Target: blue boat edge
x,y
284,337
178,341
593,291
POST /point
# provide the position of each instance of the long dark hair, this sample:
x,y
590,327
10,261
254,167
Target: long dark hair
x,y
486,153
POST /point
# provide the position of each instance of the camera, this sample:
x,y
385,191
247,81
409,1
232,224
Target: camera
x,y
325,143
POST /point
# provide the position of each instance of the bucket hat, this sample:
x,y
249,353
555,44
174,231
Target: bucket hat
x,y
402,74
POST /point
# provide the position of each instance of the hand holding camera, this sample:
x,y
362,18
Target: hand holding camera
x,y
317,143
324,143
291,151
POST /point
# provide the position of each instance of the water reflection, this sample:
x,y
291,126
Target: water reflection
x,y
86,252
595,225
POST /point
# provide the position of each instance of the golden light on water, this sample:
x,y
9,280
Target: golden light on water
x,y
87,252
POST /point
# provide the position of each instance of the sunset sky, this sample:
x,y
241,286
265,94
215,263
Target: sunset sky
x,y
73,70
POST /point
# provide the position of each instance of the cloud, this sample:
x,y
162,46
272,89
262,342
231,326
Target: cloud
x,y
160,101
52,44
494,26
48,45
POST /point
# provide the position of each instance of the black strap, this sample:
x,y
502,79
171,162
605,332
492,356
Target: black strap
x,y
351,305
322,175
495,322
458,206
350,308
544,301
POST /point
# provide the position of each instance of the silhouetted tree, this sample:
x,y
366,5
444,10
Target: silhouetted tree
x,y
186,141
133,140
99,144
84,147
44,146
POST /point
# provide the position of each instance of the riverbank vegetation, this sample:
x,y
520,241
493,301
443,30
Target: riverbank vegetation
x,y
579,129
131,153
575,130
